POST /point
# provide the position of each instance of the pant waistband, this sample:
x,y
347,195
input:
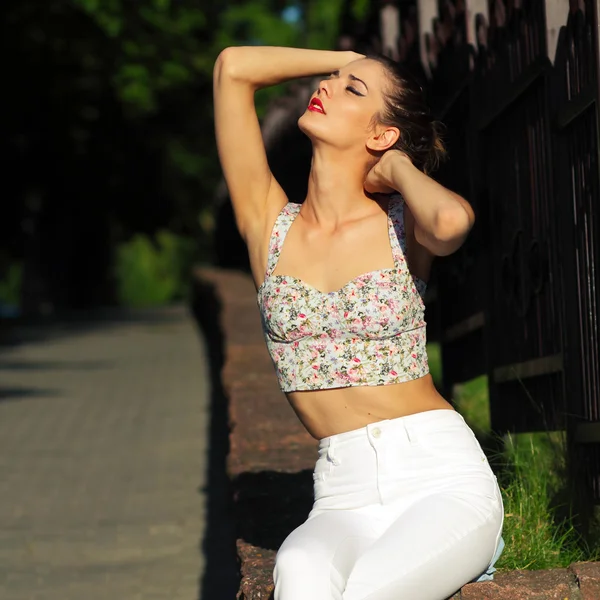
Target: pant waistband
x,y
411,426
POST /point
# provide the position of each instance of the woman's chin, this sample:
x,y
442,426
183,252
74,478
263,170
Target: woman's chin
x,y
312,129
304,123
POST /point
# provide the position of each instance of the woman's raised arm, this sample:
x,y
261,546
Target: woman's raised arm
x,y
238,73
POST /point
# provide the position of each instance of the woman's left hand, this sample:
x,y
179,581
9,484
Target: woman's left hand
x,y
377,180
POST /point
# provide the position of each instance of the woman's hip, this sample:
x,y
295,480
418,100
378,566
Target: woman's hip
x,y
403,460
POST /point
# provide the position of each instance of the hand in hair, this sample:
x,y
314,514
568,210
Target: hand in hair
x,y
377,180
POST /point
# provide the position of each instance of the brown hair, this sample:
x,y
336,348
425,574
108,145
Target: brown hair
x,y
406,109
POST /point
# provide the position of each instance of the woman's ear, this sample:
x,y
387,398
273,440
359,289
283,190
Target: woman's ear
x,y
383,138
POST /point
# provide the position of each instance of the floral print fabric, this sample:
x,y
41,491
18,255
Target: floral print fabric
x,y
369,332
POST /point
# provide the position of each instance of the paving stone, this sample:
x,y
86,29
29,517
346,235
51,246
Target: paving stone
x,y
103,459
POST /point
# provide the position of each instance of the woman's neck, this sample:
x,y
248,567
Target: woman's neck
x,y
335,188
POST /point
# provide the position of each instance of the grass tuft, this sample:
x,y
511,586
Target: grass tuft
x,y
531,478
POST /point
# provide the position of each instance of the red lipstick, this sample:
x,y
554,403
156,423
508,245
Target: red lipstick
x,y
316,106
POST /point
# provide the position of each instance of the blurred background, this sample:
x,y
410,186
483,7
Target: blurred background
x,y
112,195
113,421
111,179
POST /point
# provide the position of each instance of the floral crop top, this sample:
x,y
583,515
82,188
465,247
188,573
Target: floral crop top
x,y
369,332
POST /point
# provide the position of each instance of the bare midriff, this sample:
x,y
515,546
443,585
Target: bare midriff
x,y
328,412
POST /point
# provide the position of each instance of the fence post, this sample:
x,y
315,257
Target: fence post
x,y
557,12
427,13
389,25
474,8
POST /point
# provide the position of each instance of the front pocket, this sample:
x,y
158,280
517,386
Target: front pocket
x,y
452,443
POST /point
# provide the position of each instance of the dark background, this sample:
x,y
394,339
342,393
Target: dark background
x,y
107,138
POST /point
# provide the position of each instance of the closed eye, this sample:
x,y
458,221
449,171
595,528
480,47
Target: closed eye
x,y
354,91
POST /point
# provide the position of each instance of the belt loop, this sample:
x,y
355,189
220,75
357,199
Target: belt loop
x,y
331,452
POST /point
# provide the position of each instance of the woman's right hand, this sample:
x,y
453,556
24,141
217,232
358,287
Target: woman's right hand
x,y
355,56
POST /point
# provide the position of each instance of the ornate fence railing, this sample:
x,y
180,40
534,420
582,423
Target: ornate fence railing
x,y
516,83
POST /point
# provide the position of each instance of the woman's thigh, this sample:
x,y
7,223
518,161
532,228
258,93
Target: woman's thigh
x,y
316,559
429,552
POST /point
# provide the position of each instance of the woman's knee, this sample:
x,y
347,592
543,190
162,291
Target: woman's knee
x,y
294,559
426,566
300,573
316,558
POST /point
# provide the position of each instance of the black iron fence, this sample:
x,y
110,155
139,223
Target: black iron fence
x,y
516,82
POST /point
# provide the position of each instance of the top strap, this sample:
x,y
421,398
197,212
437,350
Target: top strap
x,y
397,230
398,241
280,229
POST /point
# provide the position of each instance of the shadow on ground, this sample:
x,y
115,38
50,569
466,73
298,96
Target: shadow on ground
x,y
54,365
221,577
8,394
23,331
26,366
30,330
271,504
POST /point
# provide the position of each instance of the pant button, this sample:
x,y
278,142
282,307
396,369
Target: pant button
x,y
376,432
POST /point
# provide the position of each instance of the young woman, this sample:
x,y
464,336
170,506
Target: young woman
x,y
406,506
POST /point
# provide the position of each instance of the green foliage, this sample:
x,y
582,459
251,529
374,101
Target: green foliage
x,y
163,48
122,93
360,9
472,398
152,273
108,14
259,22
10,285
161,44
434,355
255,23
533,475
188,161
158,45
322,26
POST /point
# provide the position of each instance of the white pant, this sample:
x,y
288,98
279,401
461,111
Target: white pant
x,y
405,509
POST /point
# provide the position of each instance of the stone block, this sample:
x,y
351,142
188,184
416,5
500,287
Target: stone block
x,y
553,584
588,578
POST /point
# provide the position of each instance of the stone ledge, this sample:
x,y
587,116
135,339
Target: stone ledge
x,y
587,576
271,459
555,584
271,455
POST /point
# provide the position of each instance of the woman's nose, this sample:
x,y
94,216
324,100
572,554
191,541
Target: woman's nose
x,y
325,87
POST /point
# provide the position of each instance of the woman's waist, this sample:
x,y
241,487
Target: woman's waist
x,y
335,411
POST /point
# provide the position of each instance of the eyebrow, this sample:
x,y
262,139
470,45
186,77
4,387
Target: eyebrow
x,y
352,77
